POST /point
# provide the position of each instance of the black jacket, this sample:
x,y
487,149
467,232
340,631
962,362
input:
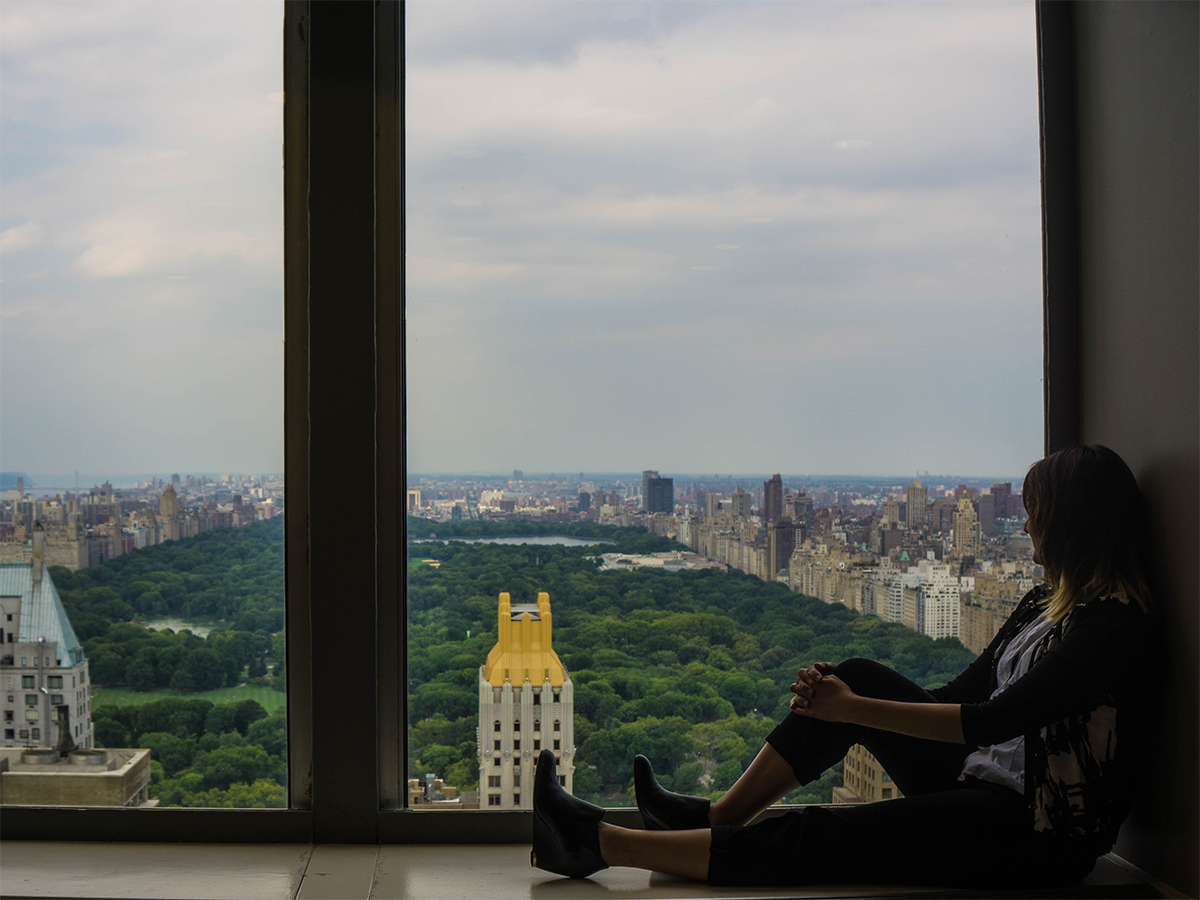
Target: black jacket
x,y
1071,706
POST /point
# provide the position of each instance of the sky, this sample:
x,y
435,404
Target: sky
x,y
722,237
799,237
141,303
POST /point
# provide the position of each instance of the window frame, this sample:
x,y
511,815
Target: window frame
x,y
343,424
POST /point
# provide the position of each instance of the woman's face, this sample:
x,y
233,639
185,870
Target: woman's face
x,y
1036,536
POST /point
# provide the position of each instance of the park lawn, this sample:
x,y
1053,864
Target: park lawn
x,y
269,698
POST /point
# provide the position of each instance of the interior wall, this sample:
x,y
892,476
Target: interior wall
x,y
1137,73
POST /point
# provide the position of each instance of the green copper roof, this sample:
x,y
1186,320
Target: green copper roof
x,y
42,613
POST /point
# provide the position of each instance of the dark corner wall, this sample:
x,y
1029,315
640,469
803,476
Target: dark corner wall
x,y
1136,86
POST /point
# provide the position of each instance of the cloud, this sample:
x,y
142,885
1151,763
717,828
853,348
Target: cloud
x,y
606,154
754,113
20,237
571,170
429,272
110,260
141,149
533,33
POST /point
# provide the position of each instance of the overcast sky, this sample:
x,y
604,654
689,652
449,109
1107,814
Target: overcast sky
x,y
798,237
141,237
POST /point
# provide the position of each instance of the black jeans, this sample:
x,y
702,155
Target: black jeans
x,y
943,831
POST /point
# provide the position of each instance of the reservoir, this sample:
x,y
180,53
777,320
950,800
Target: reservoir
x,y
535,539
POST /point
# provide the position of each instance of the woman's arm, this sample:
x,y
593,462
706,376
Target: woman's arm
x,y
1092,660
831,700
974,684
1106,648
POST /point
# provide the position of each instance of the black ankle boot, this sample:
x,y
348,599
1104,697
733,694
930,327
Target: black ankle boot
x,y
566,832
663,810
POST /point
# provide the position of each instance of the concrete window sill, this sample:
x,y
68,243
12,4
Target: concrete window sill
x,y
52,869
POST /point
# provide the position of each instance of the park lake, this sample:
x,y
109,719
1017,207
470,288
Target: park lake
x,y
200,629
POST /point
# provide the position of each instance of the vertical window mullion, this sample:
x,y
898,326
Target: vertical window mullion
x,y
342,409
389,415
295,416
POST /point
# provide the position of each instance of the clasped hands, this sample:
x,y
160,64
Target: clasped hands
x,y
821,695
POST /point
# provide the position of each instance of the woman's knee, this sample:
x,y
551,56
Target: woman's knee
x,y
870,678
858,670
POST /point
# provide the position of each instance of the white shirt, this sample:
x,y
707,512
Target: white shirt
x,y
1005,763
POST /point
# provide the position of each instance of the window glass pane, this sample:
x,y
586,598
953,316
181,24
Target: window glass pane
x,y
141,536
656,254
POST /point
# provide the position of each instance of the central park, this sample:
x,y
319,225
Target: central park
x,y
690,668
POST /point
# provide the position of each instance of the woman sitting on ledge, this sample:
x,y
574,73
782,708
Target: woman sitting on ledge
x,y
1018,773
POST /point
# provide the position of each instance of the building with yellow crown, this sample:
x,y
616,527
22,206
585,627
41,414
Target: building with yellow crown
x,y
526,703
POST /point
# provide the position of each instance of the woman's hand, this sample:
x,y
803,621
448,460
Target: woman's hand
x,y
822,695
807,681
829,700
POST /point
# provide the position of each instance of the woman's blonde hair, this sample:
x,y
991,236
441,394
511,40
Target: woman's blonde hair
x,y
1085,506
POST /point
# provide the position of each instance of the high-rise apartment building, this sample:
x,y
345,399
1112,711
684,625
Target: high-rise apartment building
x,y
941,515
890,513
966,529
170,514
917,497
772,507
648,475
804,509
1002,490
864,779
43,671
658,494
740,504
782,537
941,613
526,704
987,512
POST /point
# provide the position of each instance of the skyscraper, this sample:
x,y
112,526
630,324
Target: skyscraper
x,y
740,503
966,528
804,509
772,507
890,512
917,500
782,536
1003,492
658,494
526,703
987,512
648,475
169,514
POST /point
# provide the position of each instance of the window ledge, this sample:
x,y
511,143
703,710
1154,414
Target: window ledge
x,y
161,871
